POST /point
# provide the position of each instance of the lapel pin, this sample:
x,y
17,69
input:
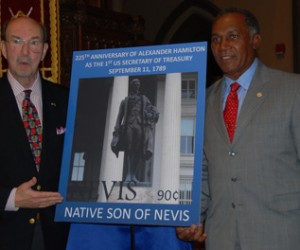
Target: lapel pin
x,y
53,104
259,94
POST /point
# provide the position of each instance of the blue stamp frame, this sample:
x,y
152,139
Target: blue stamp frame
x,y
91,71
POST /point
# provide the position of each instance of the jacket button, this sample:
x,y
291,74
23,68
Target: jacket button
x,y
38,187
31,221
232,154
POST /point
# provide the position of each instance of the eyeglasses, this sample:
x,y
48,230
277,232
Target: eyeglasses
x,y
35,45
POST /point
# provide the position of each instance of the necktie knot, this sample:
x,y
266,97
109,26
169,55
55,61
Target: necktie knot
x,y
234,87
27,94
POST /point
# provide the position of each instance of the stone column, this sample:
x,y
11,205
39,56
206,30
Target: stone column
x,y
170,139
111,166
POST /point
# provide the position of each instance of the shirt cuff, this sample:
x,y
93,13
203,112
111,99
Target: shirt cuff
x,y
10,204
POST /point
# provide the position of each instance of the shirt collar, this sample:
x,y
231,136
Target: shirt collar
x,y
245,79
18,88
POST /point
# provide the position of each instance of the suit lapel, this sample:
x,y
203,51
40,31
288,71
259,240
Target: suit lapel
x,y
49,117
256,95
9,107
13,121
53,119
216,110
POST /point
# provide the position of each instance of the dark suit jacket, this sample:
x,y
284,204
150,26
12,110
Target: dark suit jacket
x,y
17,166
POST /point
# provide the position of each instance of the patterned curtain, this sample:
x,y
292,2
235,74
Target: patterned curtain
x,y
47,12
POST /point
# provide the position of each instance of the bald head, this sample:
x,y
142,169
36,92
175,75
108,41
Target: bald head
x,y
43,30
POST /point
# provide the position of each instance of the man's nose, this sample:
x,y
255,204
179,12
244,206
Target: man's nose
x,y
224,43
25,48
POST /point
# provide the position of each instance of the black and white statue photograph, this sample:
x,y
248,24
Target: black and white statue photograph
x,y
134,134
126,143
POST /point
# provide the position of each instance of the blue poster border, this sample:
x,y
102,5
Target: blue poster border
x,y
135,61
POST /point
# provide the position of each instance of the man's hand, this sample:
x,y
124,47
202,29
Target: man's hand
x,y
193,233
28,198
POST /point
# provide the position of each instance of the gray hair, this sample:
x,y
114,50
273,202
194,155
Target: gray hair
x,y
250,20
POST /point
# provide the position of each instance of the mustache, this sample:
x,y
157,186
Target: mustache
x,y
24,59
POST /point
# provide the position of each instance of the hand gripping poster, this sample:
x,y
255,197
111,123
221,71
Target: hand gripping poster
x,y
134,136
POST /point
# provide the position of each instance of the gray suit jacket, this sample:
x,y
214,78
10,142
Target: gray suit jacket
x,y
251,188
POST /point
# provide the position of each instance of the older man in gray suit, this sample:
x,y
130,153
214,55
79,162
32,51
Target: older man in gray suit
x,y
251,185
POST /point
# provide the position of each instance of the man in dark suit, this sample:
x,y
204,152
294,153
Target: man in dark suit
x,y
28,194
251,187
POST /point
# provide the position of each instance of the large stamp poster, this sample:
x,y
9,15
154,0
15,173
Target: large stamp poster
x,y
134,134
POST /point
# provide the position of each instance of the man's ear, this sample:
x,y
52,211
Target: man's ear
x,y
3,49
256,39
45,49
